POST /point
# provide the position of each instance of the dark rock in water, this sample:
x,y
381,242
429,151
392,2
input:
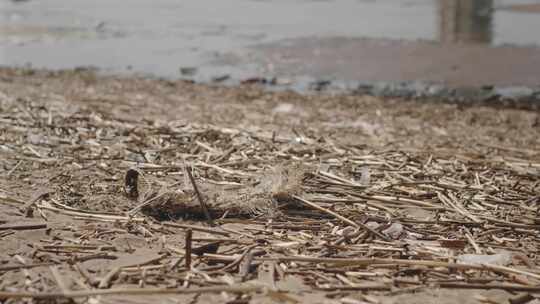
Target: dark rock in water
x,y
320,85
363,89
100,27
221,78
188,71
403,89
254,80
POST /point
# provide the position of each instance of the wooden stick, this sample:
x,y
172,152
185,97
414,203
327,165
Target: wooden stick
x,y
457,207
523,298
188,248
377,287
14,168
27,266
508,287
196,228
128,291
86,276
239,259
399,200
340,179
245,265
199,197
23,226
471,240
344,219
88,215
27,208
59,280
429,263
106,280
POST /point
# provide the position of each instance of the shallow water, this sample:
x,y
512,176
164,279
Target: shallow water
x,y
234,37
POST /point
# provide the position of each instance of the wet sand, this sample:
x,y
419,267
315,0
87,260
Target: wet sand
x,y
375,60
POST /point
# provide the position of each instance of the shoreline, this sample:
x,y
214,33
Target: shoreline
x,y
512,96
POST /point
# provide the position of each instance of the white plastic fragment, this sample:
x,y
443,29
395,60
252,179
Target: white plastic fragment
x,y
365,178
394,231
502,259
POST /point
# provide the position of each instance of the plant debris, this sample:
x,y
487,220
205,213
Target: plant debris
x,y
342,199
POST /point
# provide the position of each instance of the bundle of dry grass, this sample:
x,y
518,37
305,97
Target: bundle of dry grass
x,y
263,196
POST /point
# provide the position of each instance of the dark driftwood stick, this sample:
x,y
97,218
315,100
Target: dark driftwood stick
x,y
188,248
23,226
196,228
199,197
26,266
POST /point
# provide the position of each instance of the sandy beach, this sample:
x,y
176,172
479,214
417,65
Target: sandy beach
x,y
327,198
